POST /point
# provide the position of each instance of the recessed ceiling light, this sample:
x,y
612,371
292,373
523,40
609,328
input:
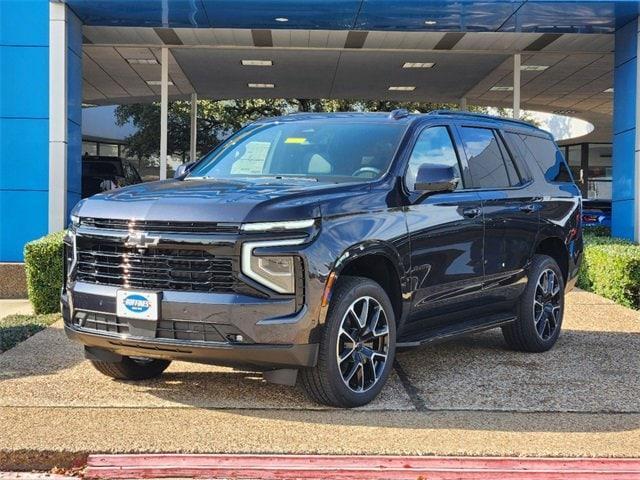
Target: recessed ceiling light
x,y
257,63
400,88
158,82
534,68
608,90
564,112
501,88
260,85
142,61
281,19
430,22
418,65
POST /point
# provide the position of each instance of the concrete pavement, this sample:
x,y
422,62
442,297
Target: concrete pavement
x,y
15,307
468,397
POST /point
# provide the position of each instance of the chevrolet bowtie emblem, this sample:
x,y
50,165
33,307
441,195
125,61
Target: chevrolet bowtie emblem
x,y
141,240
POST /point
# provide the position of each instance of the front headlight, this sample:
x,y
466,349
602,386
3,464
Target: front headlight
x,y
276,272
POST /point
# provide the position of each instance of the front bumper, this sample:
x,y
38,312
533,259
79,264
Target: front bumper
x,y
198,327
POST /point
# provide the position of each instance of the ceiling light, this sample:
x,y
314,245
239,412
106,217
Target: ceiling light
x,y
142,61
257,63
430,22
281,19
501,88
418,65
566,111
533,68
608,90
260,85
406,88
158,82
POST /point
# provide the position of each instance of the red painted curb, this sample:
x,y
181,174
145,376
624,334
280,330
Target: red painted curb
x,y
358,467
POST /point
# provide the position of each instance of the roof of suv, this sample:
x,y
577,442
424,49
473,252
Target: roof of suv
x,y
404,117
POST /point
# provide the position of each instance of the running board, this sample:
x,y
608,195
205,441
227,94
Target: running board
x,y
449,333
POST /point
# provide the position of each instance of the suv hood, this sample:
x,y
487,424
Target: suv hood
x,y
216,200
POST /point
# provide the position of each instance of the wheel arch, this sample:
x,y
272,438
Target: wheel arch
x,y
378,261
555,248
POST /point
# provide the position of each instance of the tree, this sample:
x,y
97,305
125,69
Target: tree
x,y
217,119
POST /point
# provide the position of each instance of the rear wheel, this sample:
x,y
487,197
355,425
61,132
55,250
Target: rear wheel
x,y
541,308
132,368
357,347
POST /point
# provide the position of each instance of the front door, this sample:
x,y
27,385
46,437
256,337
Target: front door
x,y
446,232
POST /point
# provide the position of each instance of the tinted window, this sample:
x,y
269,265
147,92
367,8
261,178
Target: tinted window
x,y
543,152
486,164
434,146
322,149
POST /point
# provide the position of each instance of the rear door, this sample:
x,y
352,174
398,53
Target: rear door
x,y
446,239
510,206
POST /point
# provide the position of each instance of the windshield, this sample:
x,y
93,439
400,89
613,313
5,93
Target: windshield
x,y
315,149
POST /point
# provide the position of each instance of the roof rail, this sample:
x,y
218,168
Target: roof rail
x,y
480,115
398,113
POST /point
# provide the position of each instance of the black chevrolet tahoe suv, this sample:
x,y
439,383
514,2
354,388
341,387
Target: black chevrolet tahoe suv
x,y
312,246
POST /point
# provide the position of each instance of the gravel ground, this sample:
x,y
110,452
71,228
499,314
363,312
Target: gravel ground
x,y
468,397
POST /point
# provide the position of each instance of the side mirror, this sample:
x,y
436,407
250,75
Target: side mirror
x,y
182,169
436,178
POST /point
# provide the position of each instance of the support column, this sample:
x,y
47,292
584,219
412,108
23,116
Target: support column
x,y
194,127
626,144
516,85
39,181
164,111
463,104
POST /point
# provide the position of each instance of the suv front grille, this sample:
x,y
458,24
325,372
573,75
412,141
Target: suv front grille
x,y
154,268
159,226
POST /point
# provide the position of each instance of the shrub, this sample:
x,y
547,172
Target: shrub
x,y
16,328
43,260
611,268
598,231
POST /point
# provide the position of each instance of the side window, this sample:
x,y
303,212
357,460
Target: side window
x,y
549,158
433,146
518,149
486,164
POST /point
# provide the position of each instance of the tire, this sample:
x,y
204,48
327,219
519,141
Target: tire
x,y
366,357
541,309
132,368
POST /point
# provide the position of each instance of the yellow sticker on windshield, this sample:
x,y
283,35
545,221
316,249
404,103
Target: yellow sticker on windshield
x,y
295,140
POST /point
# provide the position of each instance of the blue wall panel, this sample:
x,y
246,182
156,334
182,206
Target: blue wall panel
x,y
24,88
24,217
24,154
24,124
14,29
624,132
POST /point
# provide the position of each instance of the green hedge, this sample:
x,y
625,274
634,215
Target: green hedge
x,y
611,268
43,260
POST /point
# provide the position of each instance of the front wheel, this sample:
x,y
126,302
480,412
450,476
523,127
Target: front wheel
x,y
541,308
357,347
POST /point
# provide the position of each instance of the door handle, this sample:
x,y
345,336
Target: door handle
x,y
528,208
471,212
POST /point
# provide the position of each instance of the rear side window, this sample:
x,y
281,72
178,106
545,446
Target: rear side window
x,y
542,151
486,162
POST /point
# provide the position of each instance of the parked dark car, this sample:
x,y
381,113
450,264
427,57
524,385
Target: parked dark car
x,y
312,246
596,213
100,174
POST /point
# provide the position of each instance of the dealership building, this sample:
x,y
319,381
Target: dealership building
x,y
576,58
